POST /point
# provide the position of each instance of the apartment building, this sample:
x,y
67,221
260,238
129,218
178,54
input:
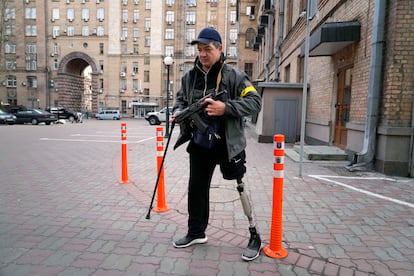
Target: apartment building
x,y
94,54
359,92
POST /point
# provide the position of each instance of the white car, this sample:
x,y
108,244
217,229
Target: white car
x,y
109,115
157,117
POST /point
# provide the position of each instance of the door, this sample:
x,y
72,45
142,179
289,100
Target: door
x,y
342,106
286,118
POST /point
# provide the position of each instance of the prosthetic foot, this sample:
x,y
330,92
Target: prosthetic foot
x,y
253,248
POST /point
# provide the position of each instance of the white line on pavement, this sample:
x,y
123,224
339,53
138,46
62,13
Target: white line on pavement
x,y
326,178
96,141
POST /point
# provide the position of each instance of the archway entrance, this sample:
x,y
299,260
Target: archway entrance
x,y
78,83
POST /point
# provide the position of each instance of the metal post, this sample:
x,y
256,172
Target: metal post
x,y
305,87
167,116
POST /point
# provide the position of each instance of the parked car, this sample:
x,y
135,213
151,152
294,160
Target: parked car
x,y
7,118
157,117
114,114
63,113
35,116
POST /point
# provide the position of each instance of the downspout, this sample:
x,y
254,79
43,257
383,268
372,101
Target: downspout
x,y
366,156
268,40
47,69
411,161
279,37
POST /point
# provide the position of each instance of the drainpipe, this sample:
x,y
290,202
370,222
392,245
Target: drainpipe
x,y
366,157
268,40
279,37
47,69
411,161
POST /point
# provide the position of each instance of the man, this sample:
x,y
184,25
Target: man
x,y
217,137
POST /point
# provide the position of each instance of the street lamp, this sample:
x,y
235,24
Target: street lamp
x,y
168,61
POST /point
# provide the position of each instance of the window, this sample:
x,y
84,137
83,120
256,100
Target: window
x,y
55,49
125,2
248,69
10,30
30,13
169,17
147,4
101,83
10,65
55,64
31,48
147,41
124,49
124,33
190,17
169,51
100,14
232,51
169,33
135,32
147,24
101,48
10,47
11,81
169,3
233,17
31,63
101,65
31,30
135,84
250,10
191,3
100,31
146,76
85,15
31,82
190,35
55,31
123,85
136,49
287,73
70,31
135,67
10,13
55,14
85,30
136,16
70,15
233,35
250,37
189,51
124,16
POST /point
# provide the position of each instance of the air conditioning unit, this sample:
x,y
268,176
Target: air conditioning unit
x,y
52,20
125,20
100,90
83,1
233,41
232,22
135,20
121,90
98,1
86,19
122,39
135,39
67,1
135,90
70,19
169,22
100,19
52,54
132,74
27,1
147,29
136,2
252,17
122,74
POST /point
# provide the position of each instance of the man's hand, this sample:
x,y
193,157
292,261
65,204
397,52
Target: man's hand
x,y
215,108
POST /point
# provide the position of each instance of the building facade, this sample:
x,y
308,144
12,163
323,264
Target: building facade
x,y
360,75
88,55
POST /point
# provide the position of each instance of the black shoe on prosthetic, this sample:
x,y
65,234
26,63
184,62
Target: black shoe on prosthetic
x,y
252,250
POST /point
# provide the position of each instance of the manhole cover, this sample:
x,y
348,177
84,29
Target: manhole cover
x,y
223,194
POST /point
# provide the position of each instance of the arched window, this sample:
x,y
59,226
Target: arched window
x,y
250,35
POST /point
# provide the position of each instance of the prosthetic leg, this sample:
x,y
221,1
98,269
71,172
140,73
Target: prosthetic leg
x,y
252,250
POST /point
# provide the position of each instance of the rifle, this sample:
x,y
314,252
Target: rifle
x,y
190,111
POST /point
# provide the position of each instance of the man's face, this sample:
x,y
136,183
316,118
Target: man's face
x,y
208,54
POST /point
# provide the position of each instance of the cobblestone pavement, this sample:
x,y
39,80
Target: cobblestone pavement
x,y
63,210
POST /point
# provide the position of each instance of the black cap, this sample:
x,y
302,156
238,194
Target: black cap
x,y
206,36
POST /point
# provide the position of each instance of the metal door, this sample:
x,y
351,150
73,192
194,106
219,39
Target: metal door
x,y
285,118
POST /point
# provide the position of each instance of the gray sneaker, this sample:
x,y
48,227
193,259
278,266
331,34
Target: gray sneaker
x,y
252,250
188,241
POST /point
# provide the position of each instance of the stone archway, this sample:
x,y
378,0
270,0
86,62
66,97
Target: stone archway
x,y
71,81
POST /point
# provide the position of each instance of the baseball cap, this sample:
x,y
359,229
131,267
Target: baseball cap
x,y
206,36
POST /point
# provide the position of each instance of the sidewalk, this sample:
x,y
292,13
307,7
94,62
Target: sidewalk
x,y
70,216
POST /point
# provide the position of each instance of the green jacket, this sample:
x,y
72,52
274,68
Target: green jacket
x,y
242,100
